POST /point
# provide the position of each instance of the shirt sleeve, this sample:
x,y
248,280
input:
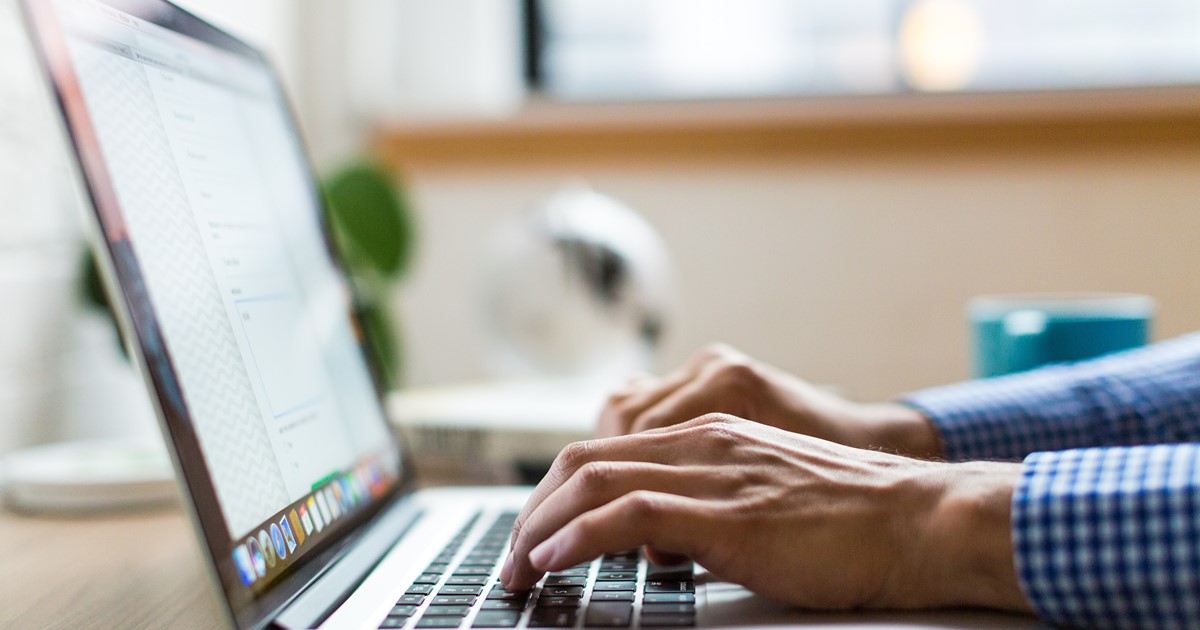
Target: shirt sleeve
x,y
1146,396
1110,537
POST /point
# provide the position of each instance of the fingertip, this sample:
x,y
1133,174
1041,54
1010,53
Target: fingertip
x,y
663,558
542,556
506,572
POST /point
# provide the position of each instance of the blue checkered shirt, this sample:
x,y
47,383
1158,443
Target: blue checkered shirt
x,y
1106,516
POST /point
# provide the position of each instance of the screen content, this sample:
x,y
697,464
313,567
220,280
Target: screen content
x,y
223,223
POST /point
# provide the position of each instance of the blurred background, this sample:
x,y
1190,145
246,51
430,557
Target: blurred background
x,y
830,180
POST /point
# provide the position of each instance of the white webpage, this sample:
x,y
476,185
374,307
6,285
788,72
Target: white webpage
x,y
224,225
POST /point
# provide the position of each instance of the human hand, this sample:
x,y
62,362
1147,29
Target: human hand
x,y
798,519
719,379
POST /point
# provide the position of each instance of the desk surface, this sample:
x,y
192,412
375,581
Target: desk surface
x,y
145,571
136,571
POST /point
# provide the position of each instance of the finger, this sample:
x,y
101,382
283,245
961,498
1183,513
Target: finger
x,y
618,414
662,558
721,387
660,447
690,401
596,484
670,523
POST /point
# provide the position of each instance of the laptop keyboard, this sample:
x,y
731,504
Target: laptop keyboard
x,y
603,593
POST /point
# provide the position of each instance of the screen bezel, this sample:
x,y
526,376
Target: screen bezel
x,y
128,294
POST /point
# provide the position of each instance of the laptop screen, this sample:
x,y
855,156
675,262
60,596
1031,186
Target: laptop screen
x,y
214,227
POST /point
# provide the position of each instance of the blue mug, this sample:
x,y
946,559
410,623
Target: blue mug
x,y
1014,333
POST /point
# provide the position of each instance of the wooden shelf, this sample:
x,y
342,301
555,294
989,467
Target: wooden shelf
x,y
553,132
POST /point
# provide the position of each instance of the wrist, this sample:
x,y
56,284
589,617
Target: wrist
x,y
964,549
901,429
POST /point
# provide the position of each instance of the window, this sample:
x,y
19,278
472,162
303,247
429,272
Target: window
x,y
680,49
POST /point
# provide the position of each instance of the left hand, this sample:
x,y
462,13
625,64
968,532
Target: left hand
x,y
795,518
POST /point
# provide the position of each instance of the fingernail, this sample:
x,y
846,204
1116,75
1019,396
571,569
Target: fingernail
x,y
506,572
541,555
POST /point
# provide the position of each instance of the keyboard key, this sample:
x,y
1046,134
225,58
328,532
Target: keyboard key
x,y
632,554
439,622
614,586
668,598
496,619
411,599
427,578
402,610
616,576
500,604
612,596
447,611
498,592
394,622
472,571
566,580
669,586
618,565
571,571
672,621
558,602
552,618
453,600
467,580
482,564
419,589
608,615
460,590
682,571
562,591
677,609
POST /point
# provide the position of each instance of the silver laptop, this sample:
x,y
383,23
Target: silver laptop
x,y
209,227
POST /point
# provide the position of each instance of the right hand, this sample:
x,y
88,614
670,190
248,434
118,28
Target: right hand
x,y
797,519
719,379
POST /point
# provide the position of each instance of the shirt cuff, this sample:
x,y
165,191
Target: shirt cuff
x,y
1110,537
1006,418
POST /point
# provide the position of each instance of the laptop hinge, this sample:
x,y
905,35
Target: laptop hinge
x,y
313,605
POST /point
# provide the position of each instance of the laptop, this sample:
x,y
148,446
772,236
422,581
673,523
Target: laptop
x,y
208,225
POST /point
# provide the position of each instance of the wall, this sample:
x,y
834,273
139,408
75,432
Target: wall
x,y
848,266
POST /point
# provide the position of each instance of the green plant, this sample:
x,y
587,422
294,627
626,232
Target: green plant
x,y
373,229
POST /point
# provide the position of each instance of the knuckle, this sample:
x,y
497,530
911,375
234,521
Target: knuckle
x,y
711,420
594,475
575,455
642,505
722,433
738,375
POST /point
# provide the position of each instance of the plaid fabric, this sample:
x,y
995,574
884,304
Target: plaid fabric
x,y
1110,537
1103,535
1146,396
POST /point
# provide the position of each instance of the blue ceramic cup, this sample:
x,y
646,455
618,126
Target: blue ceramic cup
x,y
1014,333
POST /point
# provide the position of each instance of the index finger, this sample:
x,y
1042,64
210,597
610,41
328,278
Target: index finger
x,y
659,446
667,522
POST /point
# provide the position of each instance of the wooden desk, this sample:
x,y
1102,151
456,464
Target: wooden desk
x,y
134,571
144,571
